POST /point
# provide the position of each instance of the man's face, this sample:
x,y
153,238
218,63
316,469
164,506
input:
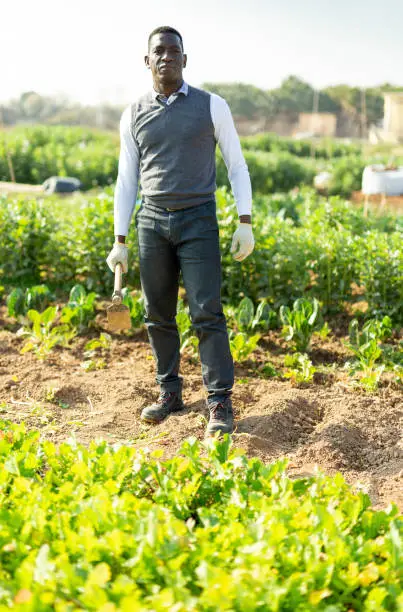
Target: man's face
x,y
165,58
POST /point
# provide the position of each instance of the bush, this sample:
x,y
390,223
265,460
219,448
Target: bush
x,y
60,241
306,246
271,172
325,148
38,152
27,227
346,175
316,256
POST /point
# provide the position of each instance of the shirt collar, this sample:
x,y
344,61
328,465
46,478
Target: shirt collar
x,y
184,89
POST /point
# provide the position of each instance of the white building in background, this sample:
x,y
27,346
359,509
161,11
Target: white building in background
x,y
392,128
317,124
393,115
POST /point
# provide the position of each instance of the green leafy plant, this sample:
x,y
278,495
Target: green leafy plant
x,y
50,395
43,335
247,319
300,322
103,343
90,365
381,329
346,175
268,370
184,323
265,317
37,297
301,369
28,244
120,529
367,348
134,301
242,345
392,355
398,370
16,303
244,314
365,343
80,309
324,331
97,345
369,380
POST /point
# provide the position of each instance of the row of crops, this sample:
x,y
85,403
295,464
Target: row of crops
x,y
275,164
305,246
104,528
46,324
314,259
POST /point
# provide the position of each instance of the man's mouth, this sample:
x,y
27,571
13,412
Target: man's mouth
x,y
165,67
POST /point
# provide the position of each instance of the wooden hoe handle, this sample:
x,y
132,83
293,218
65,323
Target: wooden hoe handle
x,y
117,290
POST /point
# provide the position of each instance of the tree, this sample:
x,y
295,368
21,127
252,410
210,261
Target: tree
x,y
31,104
244,100
350,100
296,95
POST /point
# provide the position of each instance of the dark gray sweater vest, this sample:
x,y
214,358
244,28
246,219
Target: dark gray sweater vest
x,y
177,149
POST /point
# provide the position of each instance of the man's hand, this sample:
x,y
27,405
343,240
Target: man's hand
x,y
118,255
242,241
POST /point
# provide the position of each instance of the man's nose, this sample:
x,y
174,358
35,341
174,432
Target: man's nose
x,y
166,56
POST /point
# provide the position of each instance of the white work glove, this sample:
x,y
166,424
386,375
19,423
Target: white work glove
x,y
118,255
242,241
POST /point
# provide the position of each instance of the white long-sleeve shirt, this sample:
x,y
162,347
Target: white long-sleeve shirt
x,y
129,161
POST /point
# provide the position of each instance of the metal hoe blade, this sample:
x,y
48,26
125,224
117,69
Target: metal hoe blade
x,y
118,317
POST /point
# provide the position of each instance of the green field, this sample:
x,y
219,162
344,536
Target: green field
x,y
113,527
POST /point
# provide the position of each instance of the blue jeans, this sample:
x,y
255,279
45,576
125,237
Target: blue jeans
x,y
184,241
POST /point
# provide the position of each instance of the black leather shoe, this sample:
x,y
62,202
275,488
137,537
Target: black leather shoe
x,y
221,417
168,402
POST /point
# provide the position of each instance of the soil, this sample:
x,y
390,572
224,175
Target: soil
x,y
376,202
20,188
327,426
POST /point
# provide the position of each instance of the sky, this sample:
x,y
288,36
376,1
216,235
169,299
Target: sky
x,y
93,51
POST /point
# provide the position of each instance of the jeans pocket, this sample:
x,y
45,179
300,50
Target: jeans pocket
x,y
137,214
145,218
208,217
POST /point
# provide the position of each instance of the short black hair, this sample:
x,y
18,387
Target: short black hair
x,y
163,30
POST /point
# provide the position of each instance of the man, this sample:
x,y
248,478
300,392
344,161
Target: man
x,y
168,140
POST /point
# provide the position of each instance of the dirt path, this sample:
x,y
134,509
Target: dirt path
x,y
376,202
323,426
20,188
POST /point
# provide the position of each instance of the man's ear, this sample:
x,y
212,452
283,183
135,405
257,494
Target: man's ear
x,y
185,60
147,61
